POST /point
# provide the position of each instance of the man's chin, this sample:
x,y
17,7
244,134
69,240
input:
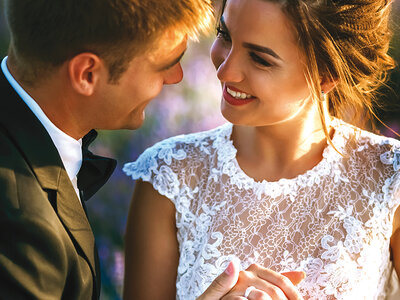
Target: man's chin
x,y
131,126
135,124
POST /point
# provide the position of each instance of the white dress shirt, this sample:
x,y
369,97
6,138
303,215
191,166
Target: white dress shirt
x,y
70,149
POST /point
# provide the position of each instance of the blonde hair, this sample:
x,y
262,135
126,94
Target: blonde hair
x,y
345,42
44,34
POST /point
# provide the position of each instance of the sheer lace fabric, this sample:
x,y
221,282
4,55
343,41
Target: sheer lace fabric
x,y
334,222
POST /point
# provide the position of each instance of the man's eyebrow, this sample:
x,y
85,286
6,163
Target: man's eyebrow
x,y
262,49
174,62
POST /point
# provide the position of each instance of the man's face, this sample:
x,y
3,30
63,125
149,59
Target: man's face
x,y
121,105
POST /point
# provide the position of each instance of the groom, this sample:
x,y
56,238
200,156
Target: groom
x,y
73,66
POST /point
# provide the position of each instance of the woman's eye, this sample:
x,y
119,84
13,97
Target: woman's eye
x,y
257,59
223,34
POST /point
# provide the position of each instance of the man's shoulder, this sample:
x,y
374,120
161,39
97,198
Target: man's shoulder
x,y
11,156
15,172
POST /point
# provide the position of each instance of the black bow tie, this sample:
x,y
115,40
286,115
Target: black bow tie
x,y
95,170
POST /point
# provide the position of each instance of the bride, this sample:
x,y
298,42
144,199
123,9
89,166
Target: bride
x,y
292,182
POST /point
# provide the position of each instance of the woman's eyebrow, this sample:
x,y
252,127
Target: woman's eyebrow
x,y
262,49
252,46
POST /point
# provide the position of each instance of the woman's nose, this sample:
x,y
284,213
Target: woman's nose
x,y
231,68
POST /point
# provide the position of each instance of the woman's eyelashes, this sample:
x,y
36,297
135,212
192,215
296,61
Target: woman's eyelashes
x,y
258,60
221,33
224,35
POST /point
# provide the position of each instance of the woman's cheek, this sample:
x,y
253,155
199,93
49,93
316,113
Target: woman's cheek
x,y
218,53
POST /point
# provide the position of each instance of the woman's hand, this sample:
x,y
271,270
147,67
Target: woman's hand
x,y
222,284
266,284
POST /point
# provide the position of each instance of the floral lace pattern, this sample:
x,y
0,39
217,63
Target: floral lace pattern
x,y
334,221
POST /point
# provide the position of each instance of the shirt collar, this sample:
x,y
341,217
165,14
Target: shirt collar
x,y
70,149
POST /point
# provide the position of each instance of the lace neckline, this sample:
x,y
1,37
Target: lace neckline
x,y
227,156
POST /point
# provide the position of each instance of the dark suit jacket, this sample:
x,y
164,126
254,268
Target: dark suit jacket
x,y
47,248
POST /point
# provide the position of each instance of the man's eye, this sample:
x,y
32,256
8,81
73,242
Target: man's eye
x,y
223,34
257,59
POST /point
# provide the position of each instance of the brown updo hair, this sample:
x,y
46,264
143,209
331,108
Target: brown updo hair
x,y
345,41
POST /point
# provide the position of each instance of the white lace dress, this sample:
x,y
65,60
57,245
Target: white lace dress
x,y
334,222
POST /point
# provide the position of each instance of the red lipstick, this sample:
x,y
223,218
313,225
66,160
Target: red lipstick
x,y
235,101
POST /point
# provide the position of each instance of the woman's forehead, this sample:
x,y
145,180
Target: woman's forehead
x,y
259,21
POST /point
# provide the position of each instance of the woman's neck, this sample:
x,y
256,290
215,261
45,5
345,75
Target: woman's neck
x,y
280,151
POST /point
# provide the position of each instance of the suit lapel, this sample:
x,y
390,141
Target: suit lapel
x,y
36,146
74,218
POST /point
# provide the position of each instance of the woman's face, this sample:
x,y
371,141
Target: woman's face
x,y
260,65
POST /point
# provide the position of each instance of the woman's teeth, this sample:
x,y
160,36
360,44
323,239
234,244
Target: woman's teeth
x,y
238,95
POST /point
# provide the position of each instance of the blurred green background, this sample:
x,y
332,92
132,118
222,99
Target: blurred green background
x,y
191,106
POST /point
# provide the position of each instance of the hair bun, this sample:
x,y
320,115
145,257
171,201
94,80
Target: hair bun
x,y
361,15
346,41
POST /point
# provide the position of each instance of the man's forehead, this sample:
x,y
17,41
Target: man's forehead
x,y
167,48
170,40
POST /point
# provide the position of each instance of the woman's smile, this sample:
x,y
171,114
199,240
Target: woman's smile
x,y
256,50
235,96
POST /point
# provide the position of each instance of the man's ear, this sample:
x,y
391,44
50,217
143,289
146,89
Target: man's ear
x,y
84,71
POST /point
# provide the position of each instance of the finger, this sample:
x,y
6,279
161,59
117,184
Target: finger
x,y
257,294
295,276
250,280
222,284
272,291
232,297
277,280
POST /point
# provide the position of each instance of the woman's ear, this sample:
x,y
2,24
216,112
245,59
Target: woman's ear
x,y
84,72
328,84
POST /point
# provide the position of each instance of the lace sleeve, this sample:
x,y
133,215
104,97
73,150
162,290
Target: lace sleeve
x,y
160,166
391,188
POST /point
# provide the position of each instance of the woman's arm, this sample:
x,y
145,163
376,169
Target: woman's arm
x,y
395,241
151,246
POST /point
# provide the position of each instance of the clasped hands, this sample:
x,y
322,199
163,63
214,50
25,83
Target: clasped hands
x,y
265,284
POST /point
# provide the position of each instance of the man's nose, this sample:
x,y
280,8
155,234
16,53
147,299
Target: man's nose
x,y
174,75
